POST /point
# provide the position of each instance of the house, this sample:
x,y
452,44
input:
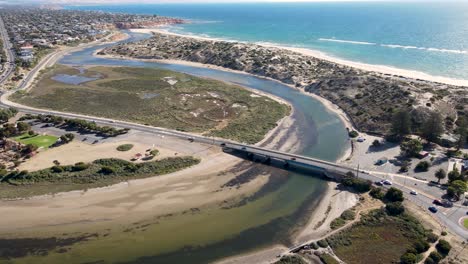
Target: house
x,y
457,164
422,154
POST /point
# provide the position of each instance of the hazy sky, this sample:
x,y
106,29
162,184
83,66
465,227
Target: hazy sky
x,y
193,1
173,1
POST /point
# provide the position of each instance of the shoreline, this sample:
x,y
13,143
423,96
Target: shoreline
x,y
375,68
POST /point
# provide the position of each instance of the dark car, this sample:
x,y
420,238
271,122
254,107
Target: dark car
x,y
433,209
437,202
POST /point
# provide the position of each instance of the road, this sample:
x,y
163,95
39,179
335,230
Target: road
x,y
9,66
446,218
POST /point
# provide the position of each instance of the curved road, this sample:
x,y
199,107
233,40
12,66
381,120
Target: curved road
x,y
446,219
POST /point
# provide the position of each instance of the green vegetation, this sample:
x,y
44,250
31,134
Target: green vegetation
x,y
154,152
353,134
411,147
401,123
465,223
347,215
161,98
440,174
443,247
327,259
6,114
291,259
380,237
422,166
359,185
99,173
125,147
40,141
433,258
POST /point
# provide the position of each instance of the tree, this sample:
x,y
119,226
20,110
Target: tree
x,y
454,175
411,147
401,123
433,127
440,174
462,133
457,188
408,258
23,127
423,166
443,247
394,195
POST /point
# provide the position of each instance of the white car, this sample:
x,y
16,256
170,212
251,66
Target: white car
x,y
413,192
387,182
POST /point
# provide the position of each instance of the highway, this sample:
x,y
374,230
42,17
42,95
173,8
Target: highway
x,y
9,65
422,199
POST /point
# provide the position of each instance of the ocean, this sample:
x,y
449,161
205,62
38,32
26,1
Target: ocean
x,y
427,37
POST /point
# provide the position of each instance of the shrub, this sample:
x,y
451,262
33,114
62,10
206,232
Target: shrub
x,y
353,134
421,246
395,208
443,247
337,223
443,233
57,169
435,256
154,152
376,193
314,245
376,143
394,195
423,166
107,170
80,166
348,215
322,243
432,238
125,147
357,184
408,258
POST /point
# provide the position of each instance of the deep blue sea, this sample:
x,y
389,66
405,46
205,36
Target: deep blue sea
x,y
429,37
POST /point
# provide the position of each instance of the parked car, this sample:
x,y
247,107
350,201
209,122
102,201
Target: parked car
x,y
379,183
447,203
387,182
437,202
413,192
433,209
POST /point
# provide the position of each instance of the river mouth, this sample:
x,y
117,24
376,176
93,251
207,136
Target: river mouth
x,y
199,236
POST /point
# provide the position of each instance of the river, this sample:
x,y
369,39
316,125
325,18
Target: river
x,y
217,233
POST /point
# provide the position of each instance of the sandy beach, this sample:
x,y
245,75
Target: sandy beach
x,y
321,55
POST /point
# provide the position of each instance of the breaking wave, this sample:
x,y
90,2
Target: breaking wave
x,y
395,46
347,41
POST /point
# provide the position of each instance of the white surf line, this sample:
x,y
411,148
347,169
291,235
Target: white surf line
x,y
394,46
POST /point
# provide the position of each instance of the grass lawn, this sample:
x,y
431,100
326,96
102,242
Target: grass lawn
x,y
40,141
160,98
465,222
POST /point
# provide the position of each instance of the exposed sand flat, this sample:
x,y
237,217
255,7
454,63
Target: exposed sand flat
x,y
128,201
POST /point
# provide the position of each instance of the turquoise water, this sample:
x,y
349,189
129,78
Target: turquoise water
x,y
430,37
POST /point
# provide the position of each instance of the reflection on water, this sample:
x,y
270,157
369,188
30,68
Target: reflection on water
x,y
73,79
215,233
